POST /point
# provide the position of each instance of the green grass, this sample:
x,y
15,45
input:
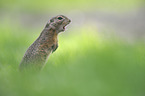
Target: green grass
x,y
83,65
67,5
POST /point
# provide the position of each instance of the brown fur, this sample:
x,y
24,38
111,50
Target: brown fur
x,y
37,54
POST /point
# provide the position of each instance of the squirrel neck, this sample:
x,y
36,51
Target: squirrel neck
x,y
48,35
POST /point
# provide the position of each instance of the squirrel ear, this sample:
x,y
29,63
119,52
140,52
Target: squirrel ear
x,y
52,20
47,24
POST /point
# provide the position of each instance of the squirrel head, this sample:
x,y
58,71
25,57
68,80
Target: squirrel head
x,y
58,23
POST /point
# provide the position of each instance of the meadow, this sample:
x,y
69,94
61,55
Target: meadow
x,y
84,65
86,62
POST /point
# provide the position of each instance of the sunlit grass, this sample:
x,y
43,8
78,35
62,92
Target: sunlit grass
x,y
67,5
84,65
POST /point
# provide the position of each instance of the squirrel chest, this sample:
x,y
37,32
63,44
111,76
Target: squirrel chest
x,y
49,41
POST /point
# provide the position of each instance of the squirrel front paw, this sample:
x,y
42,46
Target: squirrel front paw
x,y
54,47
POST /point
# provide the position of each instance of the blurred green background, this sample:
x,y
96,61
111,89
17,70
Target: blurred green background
x,y
101,54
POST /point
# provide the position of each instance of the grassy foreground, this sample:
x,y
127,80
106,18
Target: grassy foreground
x,y
83,65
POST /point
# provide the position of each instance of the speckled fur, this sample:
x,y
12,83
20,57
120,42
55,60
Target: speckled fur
x,y
37,54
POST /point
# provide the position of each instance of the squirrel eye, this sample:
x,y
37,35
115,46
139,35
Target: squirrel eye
x,y
59,18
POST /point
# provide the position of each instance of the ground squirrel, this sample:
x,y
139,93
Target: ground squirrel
x,y
37,54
